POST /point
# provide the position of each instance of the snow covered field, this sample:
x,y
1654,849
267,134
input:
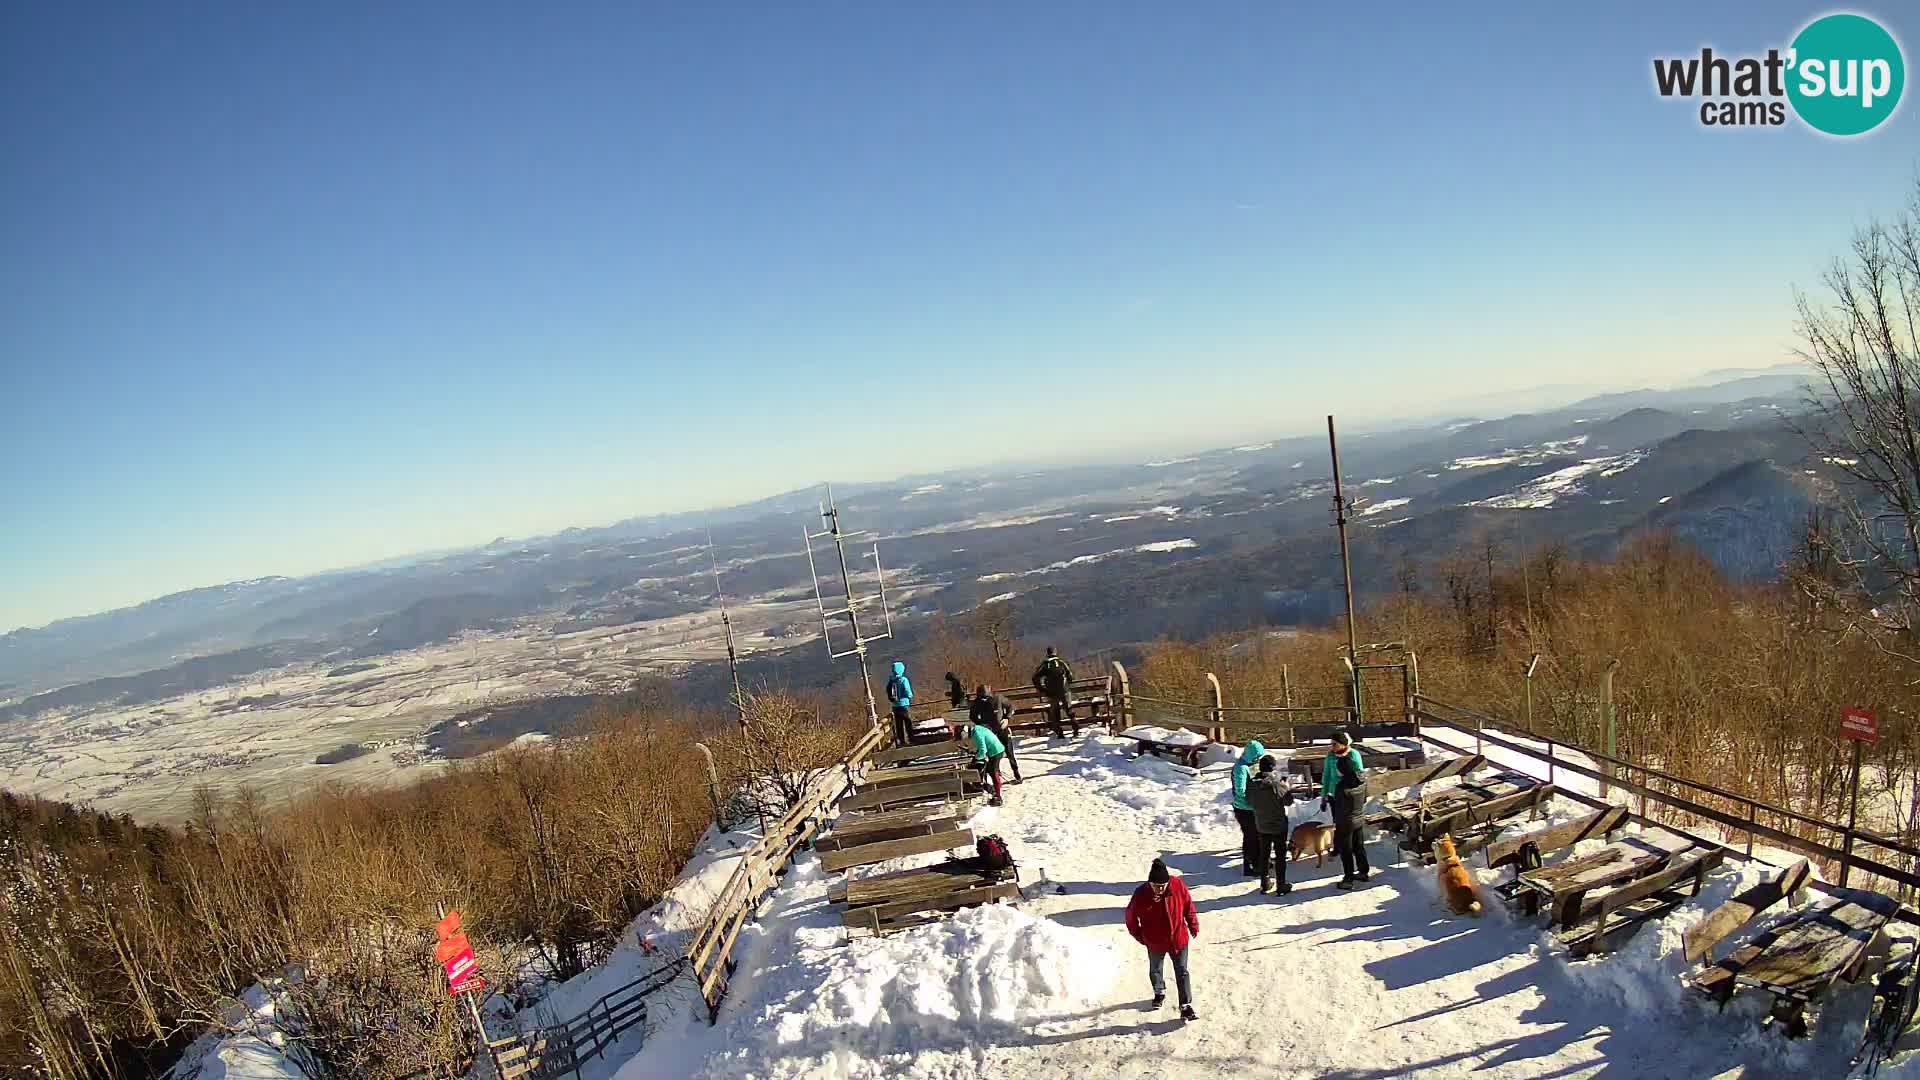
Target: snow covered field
x,y
1377,983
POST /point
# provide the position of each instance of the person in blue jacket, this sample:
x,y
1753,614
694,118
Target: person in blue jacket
x,y
1251,862
900,695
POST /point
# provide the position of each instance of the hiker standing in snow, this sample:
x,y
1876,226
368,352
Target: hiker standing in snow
x,y
956,693
987,751
1161,917
1270,796
992,712
900,695
1343,789
1054,679
1251,863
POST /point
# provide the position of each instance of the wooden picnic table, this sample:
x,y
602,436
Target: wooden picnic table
x,y
1821,946
1463,796
897,775
1564,884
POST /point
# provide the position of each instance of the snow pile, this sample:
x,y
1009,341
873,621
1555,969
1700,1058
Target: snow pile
x,y
881,1007
1164,736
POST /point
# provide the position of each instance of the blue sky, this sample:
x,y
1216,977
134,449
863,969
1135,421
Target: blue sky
x,y
286,290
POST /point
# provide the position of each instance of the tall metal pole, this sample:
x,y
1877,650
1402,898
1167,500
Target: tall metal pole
x,y
1346,562
1853,818
726,620
832,515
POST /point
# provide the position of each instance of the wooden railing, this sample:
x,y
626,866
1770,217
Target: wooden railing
x,y
710,955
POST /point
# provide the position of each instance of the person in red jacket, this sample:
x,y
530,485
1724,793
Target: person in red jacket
x,y
1161,917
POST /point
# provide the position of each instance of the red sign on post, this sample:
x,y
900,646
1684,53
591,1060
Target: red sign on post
x,y
456,955
1859,725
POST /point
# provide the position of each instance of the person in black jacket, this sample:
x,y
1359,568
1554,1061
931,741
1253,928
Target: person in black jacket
x,y
1343,786
1269,796
1054,679
992,712
956,693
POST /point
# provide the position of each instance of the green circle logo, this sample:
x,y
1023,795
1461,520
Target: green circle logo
x,y
1846,74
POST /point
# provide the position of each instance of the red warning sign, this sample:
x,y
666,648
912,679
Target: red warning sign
x,y
1859,725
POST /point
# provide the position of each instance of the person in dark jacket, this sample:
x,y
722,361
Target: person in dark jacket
x,y
956,693
900,696
991,711
1054,679
1269,797
1343,789
1161,917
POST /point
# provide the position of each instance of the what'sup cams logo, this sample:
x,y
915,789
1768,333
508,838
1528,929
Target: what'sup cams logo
x,y
1842,75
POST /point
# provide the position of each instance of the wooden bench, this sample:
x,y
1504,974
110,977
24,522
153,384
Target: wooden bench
x,y
1603,823
883,798
1385,783
1566,883
1589,920
918,820
1830,940
1467,810
914,753
1735,914
903,914
847,858
901,775
1186,751
1089,696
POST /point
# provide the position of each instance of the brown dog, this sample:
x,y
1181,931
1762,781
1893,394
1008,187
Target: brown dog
x,y
1313,838
1455,883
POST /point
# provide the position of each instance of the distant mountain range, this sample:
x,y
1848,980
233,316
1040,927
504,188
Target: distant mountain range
x,y
1195,541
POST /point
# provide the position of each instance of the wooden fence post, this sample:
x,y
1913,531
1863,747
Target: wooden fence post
x,y
1286,688
1122,700
1218,718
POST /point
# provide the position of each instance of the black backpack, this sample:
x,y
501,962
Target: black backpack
x,y
994,857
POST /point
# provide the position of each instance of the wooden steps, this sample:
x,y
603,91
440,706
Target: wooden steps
x,y
886,797
866,854
881,918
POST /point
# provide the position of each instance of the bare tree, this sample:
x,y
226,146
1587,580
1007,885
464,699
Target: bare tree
x,y
1860,338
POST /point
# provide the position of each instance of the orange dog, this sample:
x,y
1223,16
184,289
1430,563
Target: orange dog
x,y
1313,838
1455,883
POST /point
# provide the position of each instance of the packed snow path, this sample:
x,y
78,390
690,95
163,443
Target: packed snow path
x,y
1381,982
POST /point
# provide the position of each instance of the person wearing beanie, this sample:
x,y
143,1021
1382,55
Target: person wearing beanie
x,y
1250,860
1343,790
1269,796
1161,917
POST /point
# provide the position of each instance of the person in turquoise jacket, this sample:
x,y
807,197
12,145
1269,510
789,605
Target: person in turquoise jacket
x,y
899,696
1251,863
1343,791
988,752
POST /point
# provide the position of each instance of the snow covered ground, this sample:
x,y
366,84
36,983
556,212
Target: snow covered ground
x,y
1377,983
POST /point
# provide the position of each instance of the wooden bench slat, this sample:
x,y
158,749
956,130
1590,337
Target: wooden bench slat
x,y
1421,774
879,915
914,752
865,854
952,787
842,841
1550,840
1730,917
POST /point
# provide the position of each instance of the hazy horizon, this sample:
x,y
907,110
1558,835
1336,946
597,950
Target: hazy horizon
x,y
287,291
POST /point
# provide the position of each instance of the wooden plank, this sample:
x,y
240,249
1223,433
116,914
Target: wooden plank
x,y
838,891
1736,913
1482,813
835,861
847,825
1822,944
1690,864
877,916
901,775
1550,840
930,881
1381,784
944,821
1589,938
902,754
952,787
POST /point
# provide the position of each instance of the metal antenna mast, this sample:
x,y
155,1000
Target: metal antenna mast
x,y
830,513
726,620
1340,522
